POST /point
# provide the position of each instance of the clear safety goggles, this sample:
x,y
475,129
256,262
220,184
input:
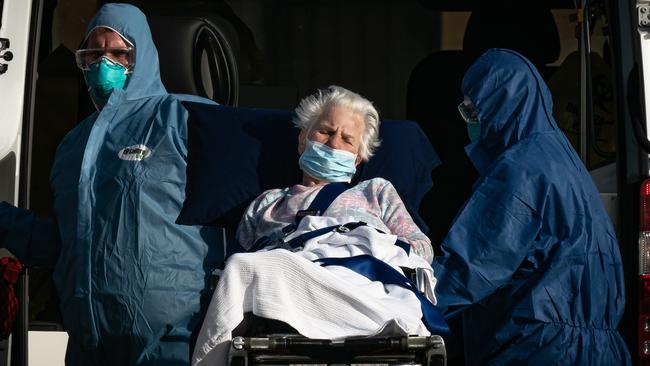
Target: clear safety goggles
x,y
124,56
468,112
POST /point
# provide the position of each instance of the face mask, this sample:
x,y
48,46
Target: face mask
x,y
474,131
330,165
469,114
103,76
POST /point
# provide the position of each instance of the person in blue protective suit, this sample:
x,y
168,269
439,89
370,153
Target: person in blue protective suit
x,y
131,281
531,260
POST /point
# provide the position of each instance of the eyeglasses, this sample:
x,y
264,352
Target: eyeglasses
x,y
125,56
468,112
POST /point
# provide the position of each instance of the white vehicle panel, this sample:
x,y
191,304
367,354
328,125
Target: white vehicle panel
x,y
47,348
15,27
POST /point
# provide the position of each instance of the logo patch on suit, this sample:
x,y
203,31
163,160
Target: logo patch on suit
x,y
134,153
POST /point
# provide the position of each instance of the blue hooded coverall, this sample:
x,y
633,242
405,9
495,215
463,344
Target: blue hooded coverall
x,y
532,259
130,280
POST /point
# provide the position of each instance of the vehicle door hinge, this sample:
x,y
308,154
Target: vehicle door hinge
x,y
643,11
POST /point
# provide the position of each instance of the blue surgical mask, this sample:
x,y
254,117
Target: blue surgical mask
x,y
474,131
104,76
330,165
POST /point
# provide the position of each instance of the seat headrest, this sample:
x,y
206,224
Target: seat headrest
x,y
208,44
529,30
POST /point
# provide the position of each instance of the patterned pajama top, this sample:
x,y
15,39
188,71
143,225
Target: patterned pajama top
x,y
374,201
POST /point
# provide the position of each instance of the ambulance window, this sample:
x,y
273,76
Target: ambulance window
x,y
452,29
563,78
565,87
367,46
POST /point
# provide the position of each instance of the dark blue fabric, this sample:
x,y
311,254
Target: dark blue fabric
x,y
533,249
405,246
234,155
237,153
377,270
132,283
321,202
299,240
34,240
326,196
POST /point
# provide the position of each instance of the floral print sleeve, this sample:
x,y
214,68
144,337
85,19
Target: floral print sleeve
x,y
400,223
246,229
247,232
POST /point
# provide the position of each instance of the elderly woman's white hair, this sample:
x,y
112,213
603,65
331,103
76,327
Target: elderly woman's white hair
x,y
311,108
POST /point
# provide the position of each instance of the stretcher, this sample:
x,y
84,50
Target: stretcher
x,y
261,341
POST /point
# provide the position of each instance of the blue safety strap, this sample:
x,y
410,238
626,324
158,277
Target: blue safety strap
x,y
403,245
299,240
327,195
377,270
322,201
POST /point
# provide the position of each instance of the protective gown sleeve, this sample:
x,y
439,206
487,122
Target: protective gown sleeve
x,y
486,245
33,240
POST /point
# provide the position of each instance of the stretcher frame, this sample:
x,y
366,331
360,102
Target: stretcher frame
x,y
295,349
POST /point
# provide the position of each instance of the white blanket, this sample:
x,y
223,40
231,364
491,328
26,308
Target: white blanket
x,y
330,302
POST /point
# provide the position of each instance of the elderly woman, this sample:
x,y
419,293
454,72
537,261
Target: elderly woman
x,y
290,283
338,130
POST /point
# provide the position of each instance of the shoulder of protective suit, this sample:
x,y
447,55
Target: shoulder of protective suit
x,y
192,98
77,131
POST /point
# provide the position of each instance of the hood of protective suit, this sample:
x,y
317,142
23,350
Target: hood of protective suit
x,y
511,105
532,259
131,24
